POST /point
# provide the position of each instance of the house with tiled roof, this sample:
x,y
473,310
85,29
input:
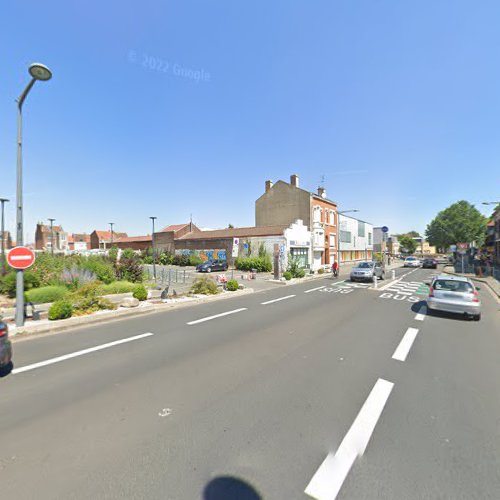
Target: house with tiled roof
x,y
104,239
47,237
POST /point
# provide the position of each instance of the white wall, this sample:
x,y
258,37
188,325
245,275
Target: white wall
x,y
360,243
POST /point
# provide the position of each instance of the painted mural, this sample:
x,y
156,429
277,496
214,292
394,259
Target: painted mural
x,y
204,255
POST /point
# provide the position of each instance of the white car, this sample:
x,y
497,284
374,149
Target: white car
x,y
411,262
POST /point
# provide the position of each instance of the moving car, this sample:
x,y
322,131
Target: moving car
x,y
455,294
5,348
429,264
212,265
364,271
411,262
442,259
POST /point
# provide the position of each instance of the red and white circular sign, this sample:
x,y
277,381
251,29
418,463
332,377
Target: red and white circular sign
x,y
20,258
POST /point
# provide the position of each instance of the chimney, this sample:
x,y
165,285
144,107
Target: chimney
x,y
269,185
322,192
294,180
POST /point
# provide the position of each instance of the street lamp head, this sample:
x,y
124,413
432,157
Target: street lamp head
x,y
40,72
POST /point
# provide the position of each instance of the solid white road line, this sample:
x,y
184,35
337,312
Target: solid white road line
x,y
314,289
405,345
328,480
277,300
208,318
78,353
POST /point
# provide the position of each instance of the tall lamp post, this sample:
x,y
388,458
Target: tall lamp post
x,y
153,245
3,201
51,235
338,239
111,224
38,72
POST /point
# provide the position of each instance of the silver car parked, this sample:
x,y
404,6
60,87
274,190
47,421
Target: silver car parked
x,y
455,294
364,271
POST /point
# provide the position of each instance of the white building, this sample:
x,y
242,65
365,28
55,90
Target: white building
x,y
355,239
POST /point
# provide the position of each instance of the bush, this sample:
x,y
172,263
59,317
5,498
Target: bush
x,y
87,300
128,253
181,260
46,294
61,309
76,276
129,270
287,275
102,269
140,292
232,285
294,268
117,287
205,286
261,264
9,283
166,259
300,273
194,260
113,253
148,259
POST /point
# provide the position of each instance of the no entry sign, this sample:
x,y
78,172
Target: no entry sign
x,y
20,258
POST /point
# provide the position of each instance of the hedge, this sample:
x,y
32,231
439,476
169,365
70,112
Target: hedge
x,y
61,309
140,292
46,294
260,264
117,287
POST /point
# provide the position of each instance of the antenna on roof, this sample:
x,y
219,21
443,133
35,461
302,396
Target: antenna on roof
x,y
323,180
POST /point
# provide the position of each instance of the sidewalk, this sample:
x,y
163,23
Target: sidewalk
x,y
491,282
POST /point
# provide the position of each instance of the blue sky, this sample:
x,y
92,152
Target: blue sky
x,y
396,103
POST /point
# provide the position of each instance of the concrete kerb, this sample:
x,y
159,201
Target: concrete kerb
x,y
59,326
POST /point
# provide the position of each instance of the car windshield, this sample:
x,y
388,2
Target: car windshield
x,y
411,258
453,286
365,265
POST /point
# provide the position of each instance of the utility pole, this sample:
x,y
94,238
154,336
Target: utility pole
x,y
111,224
38,72
51,235
3,201
153,245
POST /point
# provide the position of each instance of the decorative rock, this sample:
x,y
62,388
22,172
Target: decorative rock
x,y
129,302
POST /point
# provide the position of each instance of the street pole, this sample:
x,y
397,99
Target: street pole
x,y
111,224
37,72
3,201
51,235
153,245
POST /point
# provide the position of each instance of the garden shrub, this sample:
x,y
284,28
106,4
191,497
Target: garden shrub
x,y
61,309
128,253
232,285
9,283
117,287
130,269
113,253
86,300
46,294
140,292
148,259
295,269
261,264
181,260
205,286
166,259
287,275
194,260
76,276
103,269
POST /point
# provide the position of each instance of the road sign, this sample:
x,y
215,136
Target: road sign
x,y
282,249
462,246
20,258
236,247
385,229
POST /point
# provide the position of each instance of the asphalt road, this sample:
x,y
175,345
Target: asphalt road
x,y
403,404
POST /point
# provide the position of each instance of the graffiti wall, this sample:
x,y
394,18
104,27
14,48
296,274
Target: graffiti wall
x,y
204,255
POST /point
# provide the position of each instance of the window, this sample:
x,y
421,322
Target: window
x,y
369,238
317,214
332,217
361,229
345,237
302,256
332,240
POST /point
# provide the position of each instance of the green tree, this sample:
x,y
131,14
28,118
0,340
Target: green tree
x,y
230,226
460,222
408,243
412,234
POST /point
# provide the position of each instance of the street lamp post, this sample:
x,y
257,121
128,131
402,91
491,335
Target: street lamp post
x,y
51,235
42,73
111,224
3,201
339,238
153,245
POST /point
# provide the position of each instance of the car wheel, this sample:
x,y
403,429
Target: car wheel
x,y
477,317
382,276
209,269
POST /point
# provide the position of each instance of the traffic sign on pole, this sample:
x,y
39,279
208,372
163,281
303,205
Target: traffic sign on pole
x,y
20,258
385,229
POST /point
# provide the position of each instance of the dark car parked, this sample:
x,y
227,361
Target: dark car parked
x,y
429,264
5,349
212,265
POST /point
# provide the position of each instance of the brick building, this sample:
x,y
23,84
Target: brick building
x,y
79,242
44,236
165,239
283,203
7,238
134,242
104,239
